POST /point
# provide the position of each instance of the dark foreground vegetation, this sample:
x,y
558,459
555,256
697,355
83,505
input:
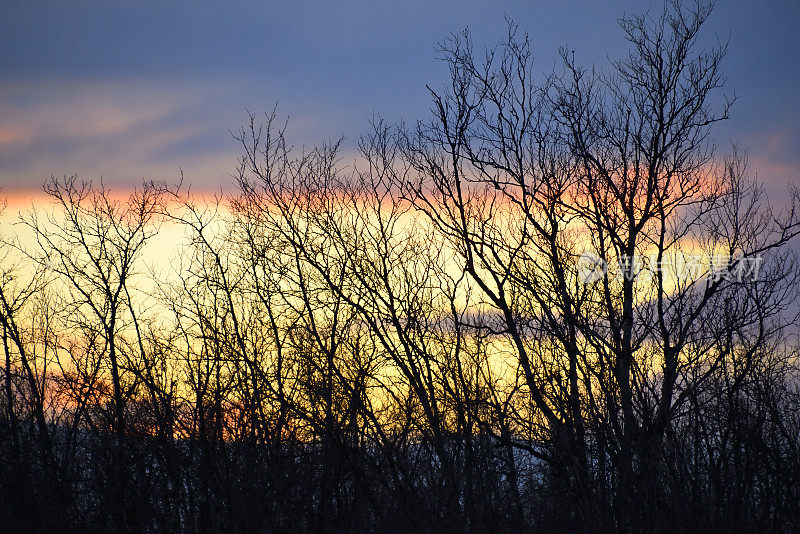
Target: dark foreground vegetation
x,y
414,343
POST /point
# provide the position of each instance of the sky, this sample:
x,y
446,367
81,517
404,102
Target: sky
x,y
137,90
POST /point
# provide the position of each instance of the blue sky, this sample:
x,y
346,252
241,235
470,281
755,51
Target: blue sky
x,y
132,90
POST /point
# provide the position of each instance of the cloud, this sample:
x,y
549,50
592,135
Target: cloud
x,y
132,90
773,157
122,130
10,135
126,130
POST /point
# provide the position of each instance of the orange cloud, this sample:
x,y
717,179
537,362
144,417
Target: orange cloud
x,y
10,136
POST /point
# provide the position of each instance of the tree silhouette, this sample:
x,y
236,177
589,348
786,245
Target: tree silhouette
x,y
553,305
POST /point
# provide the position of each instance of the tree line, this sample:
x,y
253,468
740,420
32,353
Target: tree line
x,y
413,341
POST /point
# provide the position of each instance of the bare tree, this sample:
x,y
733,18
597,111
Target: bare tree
x,y
521,178
551,306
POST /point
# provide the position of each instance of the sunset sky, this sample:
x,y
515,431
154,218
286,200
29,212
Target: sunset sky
x,y
132,90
